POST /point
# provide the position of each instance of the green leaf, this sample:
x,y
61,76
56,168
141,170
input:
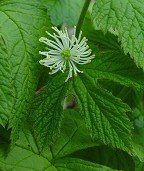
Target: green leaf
x,y
74,135
23,22
25,154
117,67
104,114
110,62
139,165
138,151
47,110
97,40
104,155
125,16
74,164
5,85
138,132
64,11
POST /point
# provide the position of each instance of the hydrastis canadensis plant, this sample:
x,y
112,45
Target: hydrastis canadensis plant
x,y
56,120
64,51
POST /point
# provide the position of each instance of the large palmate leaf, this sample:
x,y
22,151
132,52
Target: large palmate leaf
x,y
103,113
25,155
126,16
47,114
22,23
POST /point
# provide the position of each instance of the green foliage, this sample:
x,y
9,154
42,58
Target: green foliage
x,y
138,134
25,155
64,11
103,113
37,130
5,98
20,31
107,156
97,104
47,111
78,164
125,16
139,165
73,136
110,62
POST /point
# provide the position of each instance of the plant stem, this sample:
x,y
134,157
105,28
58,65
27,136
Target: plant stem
x,y
124,93
82,16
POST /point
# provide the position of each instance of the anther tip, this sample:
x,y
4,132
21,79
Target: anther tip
x,y
41,39
41,62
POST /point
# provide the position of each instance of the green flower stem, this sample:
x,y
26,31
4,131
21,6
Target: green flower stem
x,y
82,16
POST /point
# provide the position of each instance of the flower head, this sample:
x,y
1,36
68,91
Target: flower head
x,y
64,51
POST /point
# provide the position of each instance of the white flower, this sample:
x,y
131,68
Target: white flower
x,y
64,51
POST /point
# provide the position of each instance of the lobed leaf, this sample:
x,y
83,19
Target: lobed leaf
x,y
25,154
125,16
104,114
110,62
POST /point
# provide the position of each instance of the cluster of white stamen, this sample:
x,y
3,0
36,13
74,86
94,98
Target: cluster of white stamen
x,y
64,51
